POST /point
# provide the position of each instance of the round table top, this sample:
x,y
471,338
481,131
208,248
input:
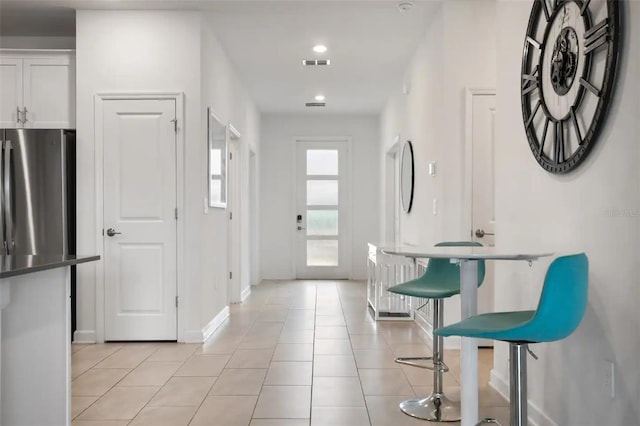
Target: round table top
x,y
464,253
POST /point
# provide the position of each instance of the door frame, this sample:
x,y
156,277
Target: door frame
x,y
99,100
467,202
234,236
392,227
294,197
467,214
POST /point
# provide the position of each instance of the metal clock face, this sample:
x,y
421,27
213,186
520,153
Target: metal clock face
x,y
568,73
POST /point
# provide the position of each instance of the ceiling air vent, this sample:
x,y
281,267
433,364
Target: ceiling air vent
x,y
315,104
316,62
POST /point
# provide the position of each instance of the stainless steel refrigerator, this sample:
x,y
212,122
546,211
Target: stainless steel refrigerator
x,y
37,190
38,187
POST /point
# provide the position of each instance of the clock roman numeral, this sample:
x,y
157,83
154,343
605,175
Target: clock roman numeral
x,y
533,114
585,6
530,87
533,42
596,36
530,81
545,8
590,87
544,136
575,125
558,148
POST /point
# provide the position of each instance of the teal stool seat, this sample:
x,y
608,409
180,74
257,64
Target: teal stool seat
x,y
440,280
561,307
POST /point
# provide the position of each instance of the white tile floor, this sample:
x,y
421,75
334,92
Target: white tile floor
x,y
295,353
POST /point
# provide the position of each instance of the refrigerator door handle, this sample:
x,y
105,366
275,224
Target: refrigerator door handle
x,y
3,239
7,196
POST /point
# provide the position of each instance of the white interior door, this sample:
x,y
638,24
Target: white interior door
x,y
483,110
140,207
321,218
10,92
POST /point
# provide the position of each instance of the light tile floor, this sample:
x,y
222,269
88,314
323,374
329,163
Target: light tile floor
x,y
295,353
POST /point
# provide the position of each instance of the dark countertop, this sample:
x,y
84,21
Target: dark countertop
x,y
11,266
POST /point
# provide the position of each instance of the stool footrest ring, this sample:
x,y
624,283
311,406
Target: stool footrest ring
x,y
411,361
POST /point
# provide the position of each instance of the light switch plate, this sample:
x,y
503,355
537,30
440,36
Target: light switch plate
x,y
432,168
206,205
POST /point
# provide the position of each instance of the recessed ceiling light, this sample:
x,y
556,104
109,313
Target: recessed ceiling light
x,y
319,48
404,6
320,98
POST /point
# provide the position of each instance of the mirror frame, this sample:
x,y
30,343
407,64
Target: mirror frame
x,y
407,149
213,145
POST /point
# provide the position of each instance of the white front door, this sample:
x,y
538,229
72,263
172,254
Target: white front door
x,y
483,110
321,218
139,142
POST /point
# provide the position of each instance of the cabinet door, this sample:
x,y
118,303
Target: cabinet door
x,y
10,92
49,92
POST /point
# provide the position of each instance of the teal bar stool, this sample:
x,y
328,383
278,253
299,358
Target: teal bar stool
x,y
440,280
560,310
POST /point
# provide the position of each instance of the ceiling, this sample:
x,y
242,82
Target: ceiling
x,y
370,44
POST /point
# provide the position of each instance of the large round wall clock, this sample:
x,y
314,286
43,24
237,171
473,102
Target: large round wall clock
x,y
568,73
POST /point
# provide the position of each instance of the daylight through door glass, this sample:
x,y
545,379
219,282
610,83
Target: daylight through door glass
x,y
322,219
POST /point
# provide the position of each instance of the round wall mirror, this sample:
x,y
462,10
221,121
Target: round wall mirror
x,y
406,176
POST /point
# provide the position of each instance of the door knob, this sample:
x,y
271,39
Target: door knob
x,y
480,233
300,228
111,232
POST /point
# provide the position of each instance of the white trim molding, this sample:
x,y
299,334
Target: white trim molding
x,y
201,336
245,293
84,336
467,203
99,99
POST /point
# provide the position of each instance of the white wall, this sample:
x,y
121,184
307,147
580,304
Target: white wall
x,y
158,51
570,214
458,52
225,95
595,209
277,186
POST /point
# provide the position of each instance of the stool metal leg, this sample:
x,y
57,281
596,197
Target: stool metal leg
x,y
518,383
435,407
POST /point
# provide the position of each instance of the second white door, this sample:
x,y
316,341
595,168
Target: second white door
x,y
321,219
483,110
139,141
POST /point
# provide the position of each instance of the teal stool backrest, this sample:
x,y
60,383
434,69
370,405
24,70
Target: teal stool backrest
x,y
563,299
445,272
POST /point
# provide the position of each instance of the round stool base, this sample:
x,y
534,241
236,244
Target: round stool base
x,y
435,408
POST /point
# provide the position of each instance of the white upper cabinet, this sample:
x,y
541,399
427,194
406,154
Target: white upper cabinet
x,y
37,90
10,92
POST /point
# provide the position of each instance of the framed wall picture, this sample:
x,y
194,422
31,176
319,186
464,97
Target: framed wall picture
x,y
218,152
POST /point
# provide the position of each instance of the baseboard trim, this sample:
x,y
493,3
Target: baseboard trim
x,y
245,293
536,416
216,322
84,336
201,336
